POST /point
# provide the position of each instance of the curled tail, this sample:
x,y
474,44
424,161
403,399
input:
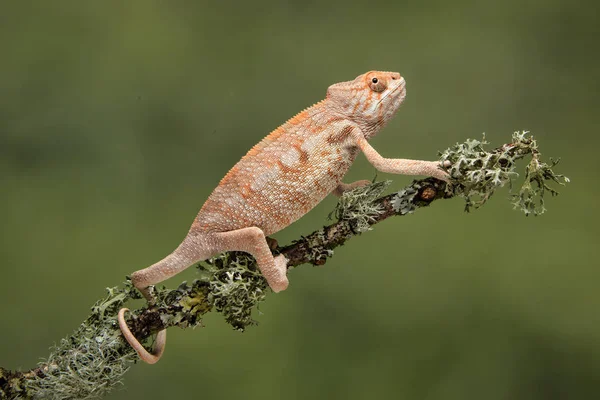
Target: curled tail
x,y
145,355
192,250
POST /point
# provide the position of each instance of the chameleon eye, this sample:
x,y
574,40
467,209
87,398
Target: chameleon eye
x,y
377,85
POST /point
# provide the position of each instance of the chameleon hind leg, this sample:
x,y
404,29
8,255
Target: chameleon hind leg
x,y
252,240
196,248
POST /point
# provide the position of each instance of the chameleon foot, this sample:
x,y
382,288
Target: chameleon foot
x,y
279,282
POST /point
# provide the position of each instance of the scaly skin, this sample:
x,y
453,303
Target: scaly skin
x,y
282,178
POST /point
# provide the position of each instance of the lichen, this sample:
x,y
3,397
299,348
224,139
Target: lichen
x,y
196,302
478,173
236,287
192,304
403,202
358,205
89,363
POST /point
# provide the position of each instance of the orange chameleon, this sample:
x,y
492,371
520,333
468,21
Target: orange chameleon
x,y
282,178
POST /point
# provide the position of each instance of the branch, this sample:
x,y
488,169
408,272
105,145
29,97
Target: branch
x,y
90,362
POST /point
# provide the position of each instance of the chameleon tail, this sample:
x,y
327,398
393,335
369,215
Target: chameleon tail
x,y
145,355
192,250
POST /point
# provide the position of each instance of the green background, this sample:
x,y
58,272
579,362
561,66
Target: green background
x,y
118,118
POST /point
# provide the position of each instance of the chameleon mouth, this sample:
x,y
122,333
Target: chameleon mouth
x,y
401,85
402,82
401,88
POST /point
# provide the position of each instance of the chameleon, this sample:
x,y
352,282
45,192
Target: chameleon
x,y
282,178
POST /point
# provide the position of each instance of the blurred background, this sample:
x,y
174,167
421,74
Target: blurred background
x,y
118,119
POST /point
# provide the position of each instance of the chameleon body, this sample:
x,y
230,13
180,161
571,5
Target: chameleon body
x,y
282,178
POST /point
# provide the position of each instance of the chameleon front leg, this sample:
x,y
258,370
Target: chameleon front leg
x,y
402,166
344,187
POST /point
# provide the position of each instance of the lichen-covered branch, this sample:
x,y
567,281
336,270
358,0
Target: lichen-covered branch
x,y
91,361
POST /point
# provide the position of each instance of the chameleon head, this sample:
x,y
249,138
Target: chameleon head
x,y
370,100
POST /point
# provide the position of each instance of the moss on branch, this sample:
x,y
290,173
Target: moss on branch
x,y
92,361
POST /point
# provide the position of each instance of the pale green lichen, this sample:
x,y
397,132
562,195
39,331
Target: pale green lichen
x,y
403,202
530,198
89,363
477,173
236,287
358,205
